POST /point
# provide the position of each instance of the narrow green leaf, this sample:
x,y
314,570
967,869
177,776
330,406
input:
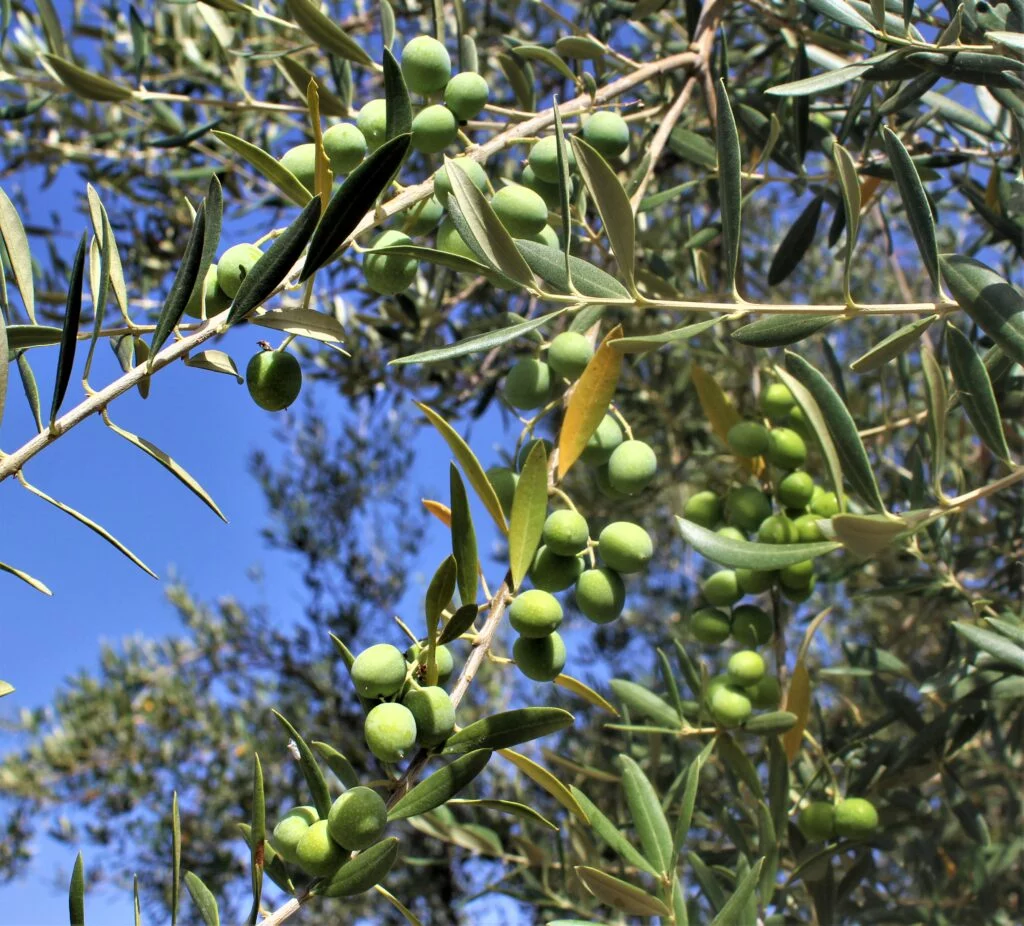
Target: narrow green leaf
x,y
214,203
352,200
175,858
271,269
937,398
644,343
258,836
641,700
547,56
18,252
549,264
993,643
338,764
140,41
994,304
325,32
915,201
136,902
464,547
975,391
771,721
76,893
854,458
396,95
730,183
440,786
364,871
866,535
685,814
510,807
739,763
745,554
768,846
781,330
83,83
564,185
456,262
99,288
185,280
621,894
88,522
69,334
204,900
732,912
891,347
22,337
846,171
795,243
470,466
104,233
24,109
841,12
547,781
778,784
439,595
613,205
25,577
693,147
274,866
508,728
486,229
611,834
647,815
311,770
28,382
268,167
3,365
529,509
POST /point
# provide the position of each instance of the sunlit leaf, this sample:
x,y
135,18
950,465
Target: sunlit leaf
x,y
648,818
529,509
621,894
268,167
501,806
611,834
310,769
206,903
746,554
325,32
891,347
508,728
547,781
83,83
441,785
18,252
364,871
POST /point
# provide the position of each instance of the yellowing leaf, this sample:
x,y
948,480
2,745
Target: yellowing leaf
x,y
589,402
586,692
439,510
541,776
719,411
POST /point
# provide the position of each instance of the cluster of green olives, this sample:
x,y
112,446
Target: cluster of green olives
x,y
731,698
403,713
357,819
853,818
748,510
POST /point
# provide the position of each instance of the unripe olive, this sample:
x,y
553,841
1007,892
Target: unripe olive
x,y
777,401
797,595
569,354
290,829
797,576
855,817
718,681
426,65
553,573
825,504
747,438
549,192
233,266
703,508
625,547
443,659
632,466
765,694
345,147
710,626
434,128
466,95
301,161
372,121
754,581
786,448
807,529
433,712
448,239
389,273
751,625
605,487
543,160
216,300
777,529
540,659
746,507
520,210
390,731
527,449
733,533
379,671
316,853
566,532
745,668
528,384
472,169
274,379
504,481
422,217
548,237
795,490
817,821
730,707
721,589
602,442
357,819
600,594
535,613
608,132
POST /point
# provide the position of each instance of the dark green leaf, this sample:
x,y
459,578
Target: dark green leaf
x,y
464,547
564,183
794,245
550,58
529,509
184,138
509,728
325,32
647,816
770,722
338,764
732,913
140,41
23,110
399,107
842,427
644,343
258,836
744,554
730,184
841,12
781,330
693,147
938,401
76,894
641,700
456,262
549,264
608,831
846,171
28,382
175,858
460,622
993,643
368,868
3,365
353,199
621,894
185,280
685,815
268,167
438,787
69,335
975,390
891,347
996,306
205,902
502,806
311,770
915,201
99,287
83,83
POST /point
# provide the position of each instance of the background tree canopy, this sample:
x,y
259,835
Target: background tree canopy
x,y
805,220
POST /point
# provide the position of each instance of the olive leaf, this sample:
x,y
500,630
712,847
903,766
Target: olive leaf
x,y
398,118
621,894
795,243
550,265
846,171
781,330
994,304
258,835
268,167
746,554
76,893
529,509
186,279
547,781
730,184
464,547
508,728
647,815
26,578
175,858
69,334
364,871
18,253
310,769
975,390
203,898
325,32
83,83
892,346
437,788
611,834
